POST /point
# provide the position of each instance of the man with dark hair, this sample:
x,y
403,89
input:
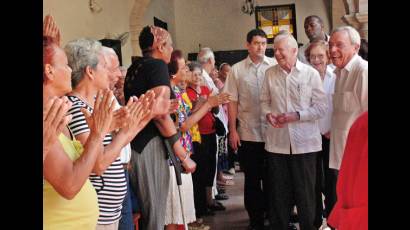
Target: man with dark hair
x,y
244,85
149,172
254,33
314,30
364,49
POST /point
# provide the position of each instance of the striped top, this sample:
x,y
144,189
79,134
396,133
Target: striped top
x,y
111,186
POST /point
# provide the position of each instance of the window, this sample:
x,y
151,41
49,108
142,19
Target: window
x,y
273,19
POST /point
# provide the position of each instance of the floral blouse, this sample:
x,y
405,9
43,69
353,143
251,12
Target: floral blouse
x,y
182,113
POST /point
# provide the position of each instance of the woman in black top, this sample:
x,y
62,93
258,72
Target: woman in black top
x,y
150,171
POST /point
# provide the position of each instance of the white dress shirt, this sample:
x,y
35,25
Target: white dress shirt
x,y
329,87
349,101
214,91
125,155
301,53
301,90
244,84
210,83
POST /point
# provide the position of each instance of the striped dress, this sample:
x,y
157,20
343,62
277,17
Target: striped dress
x,y
111,186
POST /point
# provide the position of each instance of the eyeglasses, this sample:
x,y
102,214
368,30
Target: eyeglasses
x,y
320,57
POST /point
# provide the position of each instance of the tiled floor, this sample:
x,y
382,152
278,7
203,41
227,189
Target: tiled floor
x,y
235,216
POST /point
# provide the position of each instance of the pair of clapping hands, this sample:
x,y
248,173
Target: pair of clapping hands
x,y
132,117
214,100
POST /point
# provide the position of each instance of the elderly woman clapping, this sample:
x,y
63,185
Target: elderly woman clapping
x,y
69,199
89,76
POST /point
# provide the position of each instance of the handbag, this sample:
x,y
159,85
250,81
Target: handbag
x,y
219,127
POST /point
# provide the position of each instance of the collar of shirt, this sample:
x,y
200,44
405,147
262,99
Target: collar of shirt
x,y
298,67
250,63
210,83
305,46
329,71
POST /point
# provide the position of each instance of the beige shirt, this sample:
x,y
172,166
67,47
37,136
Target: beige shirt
x,y
301,90
349,101
244,84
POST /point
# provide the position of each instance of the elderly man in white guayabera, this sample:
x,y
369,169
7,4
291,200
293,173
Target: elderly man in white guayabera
x,y
351,89
293,100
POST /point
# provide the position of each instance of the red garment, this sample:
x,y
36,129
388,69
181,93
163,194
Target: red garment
x,y
207,123
351,209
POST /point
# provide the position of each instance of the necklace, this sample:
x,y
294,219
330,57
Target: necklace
x,y
82,99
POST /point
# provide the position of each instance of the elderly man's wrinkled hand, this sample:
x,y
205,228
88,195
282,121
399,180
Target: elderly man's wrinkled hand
x,y
274,120
285,118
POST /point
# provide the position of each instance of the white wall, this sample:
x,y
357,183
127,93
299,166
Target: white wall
x,y
75,20
221,25
163,10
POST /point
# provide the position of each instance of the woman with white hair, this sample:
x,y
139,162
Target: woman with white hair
x,y
317,54
89,75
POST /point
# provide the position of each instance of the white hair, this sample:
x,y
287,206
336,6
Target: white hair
x,y
81,53
205,55
352,32
289,37
108,52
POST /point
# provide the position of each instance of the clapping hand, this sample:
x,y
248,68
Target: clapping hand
x,y
219,99
50,29
103,113
140,110
54,121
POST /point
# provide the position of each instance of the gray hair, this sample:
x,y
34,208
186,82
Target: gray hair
x,y
352,32
194,65
205,55
108,53
289,37
81,53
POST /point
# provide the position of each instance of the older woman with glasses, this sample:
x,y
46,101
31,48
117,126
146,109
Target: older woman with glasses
x,y
318,56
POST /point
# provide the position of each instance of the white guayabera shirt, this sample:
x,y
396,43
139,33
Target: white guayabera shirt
x,y
299,91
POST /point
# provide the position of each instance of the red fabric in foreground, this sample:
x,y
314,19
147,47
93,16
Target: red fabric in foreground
x,y
351,209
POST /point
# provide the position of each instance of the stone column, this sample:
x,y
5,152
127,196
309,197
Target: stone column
x,y
136,16
357,16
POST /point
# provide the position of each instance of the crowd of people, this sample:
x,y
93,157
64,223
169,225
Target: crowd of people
x,y
153,145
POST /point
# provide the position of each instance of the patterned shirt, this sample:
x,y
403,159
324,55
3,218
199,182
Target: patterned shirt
x,y
182,114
